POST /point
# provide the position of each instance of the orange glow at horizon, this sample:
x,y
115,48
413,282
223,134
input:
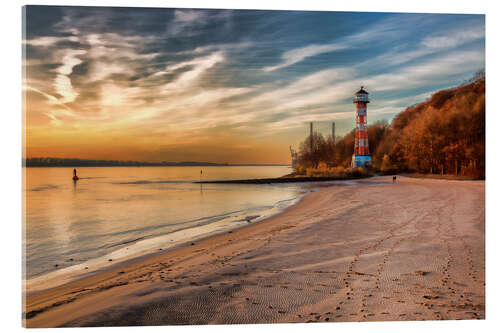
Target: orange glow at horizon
x,y
147,141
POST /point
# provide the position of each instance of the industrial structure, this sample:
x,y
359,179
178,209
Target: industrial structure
x,y
311,135
295,156
361,156
333,132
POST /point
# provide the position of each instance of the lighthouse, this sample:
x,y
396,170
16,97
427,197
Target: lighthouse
x,y
361,156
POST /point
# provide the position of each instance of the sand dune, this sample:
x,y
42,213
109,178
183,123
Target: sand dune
x,y
379,251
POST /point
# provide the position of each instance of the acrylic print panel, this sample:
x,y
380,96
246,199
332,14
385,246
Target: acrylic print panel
x,y
201,166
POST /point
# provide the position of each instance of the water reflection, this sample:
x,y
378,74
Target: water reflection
x,y
113,206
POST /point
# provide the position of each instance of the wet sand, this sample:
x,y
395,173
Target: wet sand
x,y
413,250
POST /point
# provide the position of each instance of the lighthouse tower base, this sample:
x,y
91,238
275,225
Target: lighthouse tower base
x,y
361,161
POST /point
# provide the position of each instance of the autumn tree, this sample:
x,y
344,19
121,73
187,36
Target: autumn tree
x,y
312,151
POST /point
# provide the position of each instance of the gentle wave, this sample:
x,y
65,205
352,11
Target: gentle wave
x,y
44,188
129,249
121,211
145,182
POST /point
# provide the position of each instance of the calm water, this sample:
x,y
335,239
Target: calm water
x,y
114,211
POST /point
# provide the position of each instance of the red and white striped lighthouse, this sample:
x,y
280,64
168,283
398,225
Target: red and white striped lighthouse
x,y
361,156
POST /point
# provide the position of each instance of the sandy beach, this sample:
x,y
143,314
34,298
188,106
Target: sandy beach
x,y
377,251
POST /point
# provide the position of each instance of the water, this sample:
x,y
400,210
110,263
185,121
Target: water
x,y
114,212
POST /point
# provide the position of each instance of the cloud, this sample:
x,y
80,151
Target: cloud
x,y
429,45
111,53
188,78
62,82
101,70
406,101
50,98
387,29
385,110
300,120
330,88
435,70
205,98
46,41
305,85
69,61
188,16
227,47
185,20
54,114
64,88
297,55
452,39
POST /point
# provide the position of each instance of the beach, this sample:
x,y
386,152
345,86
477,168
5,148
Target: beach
x,y
375,251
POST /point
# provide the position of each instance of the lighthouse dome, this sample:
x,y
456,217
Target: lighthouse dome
x,y
361,92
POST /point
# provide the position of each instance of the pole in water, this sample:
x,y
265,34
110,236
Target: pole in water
x,y
75,177
201,184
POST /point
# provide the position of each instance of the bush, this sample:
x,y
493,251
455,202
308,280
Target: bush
x,y
300,169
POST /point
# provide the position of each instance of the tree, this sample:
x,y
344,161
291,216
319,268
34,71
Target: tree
x,y
386,164
312,150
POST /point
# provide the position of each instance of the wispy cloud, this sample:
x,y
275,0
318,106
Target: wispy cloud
x,y
188,16
49,40
429,46
435,70
297,55
332,87
300,120
385,30
198,67
452,39
62,82
185,19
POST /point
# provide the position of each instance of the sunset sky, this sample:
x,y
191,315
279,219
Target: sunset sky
x,y
222,85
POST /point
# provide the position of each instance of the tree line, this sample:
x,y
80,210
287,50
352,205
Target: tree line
x,y
443,135
76,162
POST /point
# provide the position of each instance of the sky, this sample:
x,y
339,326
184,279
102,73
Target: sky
x,y
226,86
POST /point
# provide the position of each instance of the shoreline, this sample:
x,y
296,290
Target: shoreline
x,y
442,177
101,264
240,265
104,272
282,180
98,264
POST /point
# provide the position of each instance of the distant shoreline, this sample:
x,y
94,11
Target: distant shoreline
x,y
283,179
139,164
173,165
